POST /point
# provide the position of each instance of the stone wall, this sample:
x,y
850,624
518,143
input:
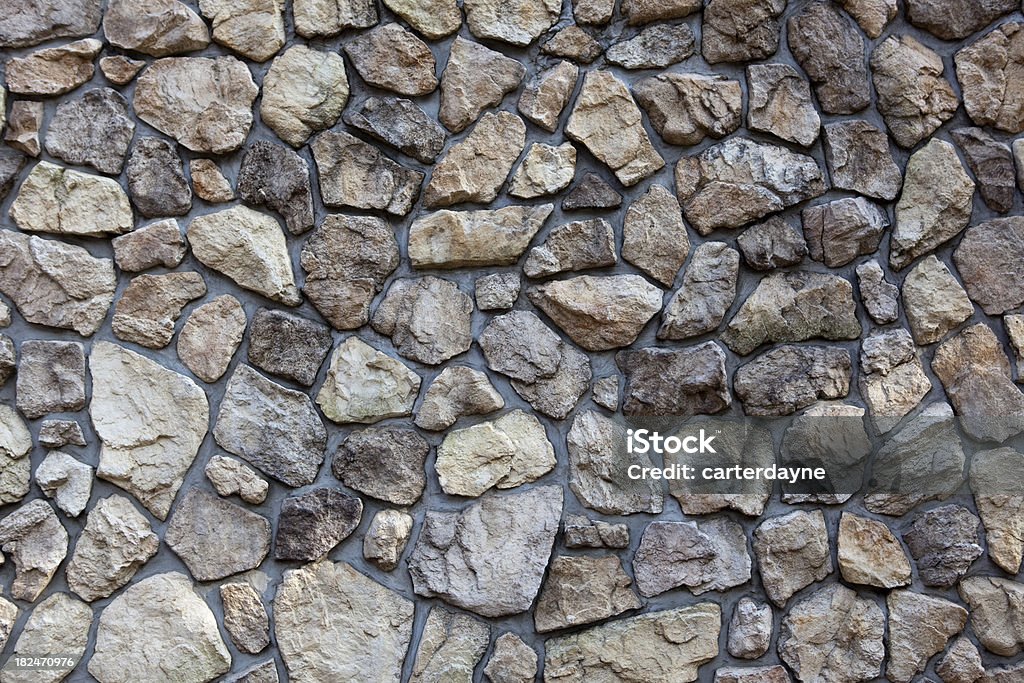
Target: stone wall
x,y
322,320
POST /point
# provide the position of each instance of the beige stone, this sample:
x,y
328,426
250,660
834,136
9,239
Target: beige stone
x,y
54,70
303,92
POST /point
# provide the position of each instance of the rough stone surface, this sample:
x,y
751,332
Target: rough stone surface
x,y
870,555
995,612
476,167
34,538
859,159
157,244
23,126
944,542
147,310
392,58
771,244
592,192
654,47
313,523
685,108
787,378
792,553
572,42
992,165
401,124
750,629
120,70
781,104
210,336
230,476
465,93
51,378
386,537
245,617
706,293
544,170
254,28
880,296
654,236
383,462
275,177
985,70
60,623
740,30
840,231
512,661
156,180
457,239
54,199
518,22
547,94
66,480
288,345
209,182
356,174
303,92
988,259
683,381
919,627
433,18
582,590
703,557
365,385
158,28
1000,503
325,18
830,50
451,645
53,71
573,246
456,392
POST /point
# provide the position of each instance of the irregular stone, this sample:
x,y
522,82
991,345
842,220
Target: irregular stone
x,y
497,292
54,70
870,555
739,181
709,556
859,159
23,126
944,542
325,18
399,123
557,395
386,537
740,30
597,461
880,297
646,11
914,97
248,247
544,170
991,163
580,532
919,627
833,635
582,590
654,236
547,94
456,392
265,672
30,23
384,462
157,244
757,674
706,293
1014,325
518,22
365,386
606,120
573,246
893,381
392,58
34,538
60,433
252,28
427,319
51,378
750,629
435,19
842,230
475,78
8,358
147,310
354,173
346,261
794,306
158,625
475,168
205,104
151,422
655,47
210,336
245,617
450,647
457,239
780,104
230,476
1000,502
872,15
995,612
157,28
54,199
830,49
598,11
15,444
273,428
957,19
277,178
962,662
684,108
772,244
303,92
986,71
519,345
573,43
788,378
288,345
209,182
57,624
11,162
792,553
66,480
831,434
507,567
683,638
120,70
512,661
311,524
988,258
592,193
606,393
684,381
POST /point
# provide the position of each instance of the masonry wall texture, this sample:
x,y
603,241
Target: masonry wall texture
x,y
321,319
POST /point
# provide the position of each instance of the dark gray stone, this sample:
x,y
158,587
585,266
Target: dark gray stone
x,y
288,345
277,178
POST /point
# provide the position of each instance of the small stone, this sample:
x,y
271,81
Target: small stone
x,y
756,674
657,647
573,246
384,462
573,43
739,181
54,70
705,295
386,537
741,30
178,633
684,108
29,22
60,433
582,590
508,567
252,28
120,70
245,617
859,160
606,393
497,292
230,476
354,173
450,647
66,480
51,378
157,244
919,627
116,542
914,97
277,178
792,553
333,623
57,624
992,165
519,345
346,261
944,541
512,660
957,19
1000,502
312,524
880,296
988,258
544,170
842,230
456,392
476,167
365,386
325,18
703,557
830,49
95,129
288,345
893,380
547,94
985,70
646,11
399,123
961,663
870,555
834,635
392,58
210,336
204,103
995,613
475,78
15,444
54,199
596,12
684,381
592,193
33,537
654,47
216,538
248,247
580,532
872,15
457,239
654,236
435,19
303,92
147,310
780,103
154,27
772,244
606,120
23,126
788,378
518,22
750,629
209,182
